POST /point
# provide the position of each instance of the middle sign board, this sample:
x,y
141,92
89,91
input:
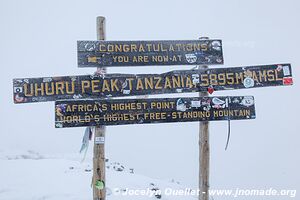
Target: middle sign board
x,y
77,113
28,90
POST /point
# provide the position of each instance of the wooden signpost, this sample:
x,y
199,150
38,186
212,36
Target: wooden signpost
x,y
138,53
76,113
99,178
27,90
86,100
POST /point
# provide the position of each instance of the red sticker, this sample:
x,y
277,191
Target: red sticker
x,y
210,90
19,99
287,81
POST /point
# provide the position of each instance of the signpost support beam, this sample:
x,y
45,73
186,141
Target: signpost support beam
x,y
204,154
99,148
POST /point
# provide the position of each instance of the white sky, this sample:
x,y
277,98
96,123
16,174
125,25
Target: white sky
x,y
38,38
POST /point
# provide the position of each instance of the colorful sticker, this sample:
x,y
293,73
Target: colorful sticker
x,y
206,104
210,89
99,185
287,81
60,109
19,99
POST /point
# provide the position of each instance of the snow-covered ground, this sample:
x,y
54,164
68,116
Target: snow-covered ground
x,y
31,176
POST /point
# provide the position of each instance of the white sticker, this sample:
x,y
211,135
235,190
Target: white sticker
x,y
248,82
178,90
18,89
58,125
247,101
99,140
216,45
286,71
124,85
47,80
126,91
180,105
77,96
191,58
196,104
195,78
218,103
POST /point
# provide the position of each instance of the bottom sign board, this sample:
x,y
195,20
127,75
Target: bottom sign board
x,y
77,113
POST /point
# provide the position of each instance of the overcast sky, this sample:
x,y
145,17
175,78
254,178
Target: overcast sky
x,y
38,38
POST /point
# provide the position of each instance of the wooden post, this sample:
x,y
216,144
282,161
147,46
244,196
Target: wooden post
x,y
99,138
203,151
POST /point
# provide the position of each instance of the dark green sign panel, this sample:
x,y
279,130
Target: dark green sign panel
x,y
141,53
76,113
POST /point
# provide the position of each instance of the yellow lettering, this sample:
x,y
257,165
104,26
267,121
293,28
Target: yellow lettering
x,y
230,78
26,90
149,83
84,85
168,83
222,79
95,85
38,89
47,89
139,85
105,86
204,80
158,83
271,76
114,86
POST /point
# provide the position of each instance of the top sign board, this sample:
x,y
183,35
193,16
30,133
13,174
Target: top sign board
x,y
142,53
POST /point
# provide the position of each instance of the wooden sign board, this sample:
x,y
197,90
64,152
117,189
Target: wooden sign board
x,y
77,113
141,53
28,90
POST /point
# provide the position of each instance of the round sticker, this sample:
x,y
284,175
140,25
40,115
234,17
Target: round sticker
x,y
19,99
99,185
247,101
248,82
